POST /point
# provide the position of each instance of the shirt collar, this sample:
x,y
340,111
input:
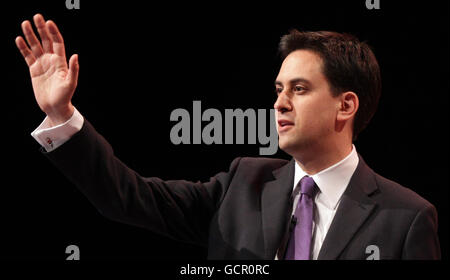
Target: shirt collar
x,y
333,180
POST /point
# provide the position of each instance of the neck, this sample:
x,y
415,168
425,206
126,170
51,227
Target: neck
x,y
318,158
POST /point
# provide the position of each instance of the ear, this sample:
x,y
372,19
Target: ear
x,y
348,105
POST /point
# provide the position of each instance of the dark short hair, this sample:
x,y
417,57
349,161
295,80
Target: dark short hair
x,y
348,65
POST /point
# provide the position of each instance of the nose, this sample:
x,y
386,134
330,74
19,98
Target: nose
x,y
283,103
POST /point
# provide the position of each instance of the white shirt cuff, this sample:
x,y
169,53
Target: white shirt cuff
x,y
52,137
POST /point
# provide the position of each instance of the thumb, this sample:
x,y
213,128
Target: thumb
x,y
74,68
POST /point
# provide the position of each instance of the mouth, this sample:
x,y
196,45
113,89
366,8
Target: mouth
x,y
284,125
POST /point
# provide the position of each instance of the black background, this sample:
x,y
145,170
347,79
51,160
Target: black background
x,y
140,61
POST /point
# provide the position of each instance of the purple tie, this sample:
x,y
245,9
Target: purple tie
x,y
299,246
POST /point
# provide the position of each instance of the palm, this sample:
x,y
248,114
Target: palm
x,y
49,79
53,81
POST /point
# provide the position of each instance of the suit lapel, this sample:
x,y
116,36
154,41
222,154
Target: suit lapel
x,y
276,206
354,208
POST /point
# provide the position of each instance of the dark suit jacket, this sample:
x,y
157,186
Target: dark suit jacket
x,y
244,213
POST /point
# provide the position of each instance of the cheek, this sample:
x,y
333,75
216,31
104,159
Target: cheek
x,y
306,118
327,117
317,115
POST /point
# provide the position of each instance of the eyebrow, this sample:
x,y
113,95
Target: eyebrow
x,y
294,81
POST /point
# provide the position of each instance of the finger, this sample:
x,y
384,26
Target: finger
x,y
25,51
43,33
57,39
74,68
31,39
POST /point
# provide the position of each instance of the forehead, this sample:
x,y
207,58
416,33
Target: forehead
x,y
304,64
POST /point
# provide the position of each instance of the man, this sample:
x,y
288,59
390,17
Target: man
x,y
325,203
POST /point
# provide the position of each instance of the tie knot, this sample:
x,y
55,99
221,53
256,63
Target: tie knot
x,y
308,186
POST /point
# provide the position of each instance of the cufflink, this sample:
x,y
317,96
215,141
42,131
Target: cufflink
x,y
49,141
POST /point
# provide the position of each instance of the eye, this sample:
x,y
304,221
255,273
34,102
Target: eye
x,y
299,88
278,90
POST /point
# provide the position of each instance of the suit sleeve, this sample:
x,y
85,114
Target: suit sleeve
x,y
422,242
177,209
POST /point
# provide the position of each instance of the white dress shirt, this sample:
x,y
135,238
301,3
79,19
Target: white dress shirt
x,y
331,181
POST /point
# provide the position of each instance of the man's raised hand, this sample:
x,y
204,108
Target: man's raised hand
x,y
53,81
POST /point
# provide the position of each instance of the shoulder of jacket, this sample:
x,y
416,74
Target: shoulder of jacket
x,y
399,195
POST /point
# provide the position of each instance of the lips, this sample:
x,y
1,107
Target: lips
x,y
284,125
